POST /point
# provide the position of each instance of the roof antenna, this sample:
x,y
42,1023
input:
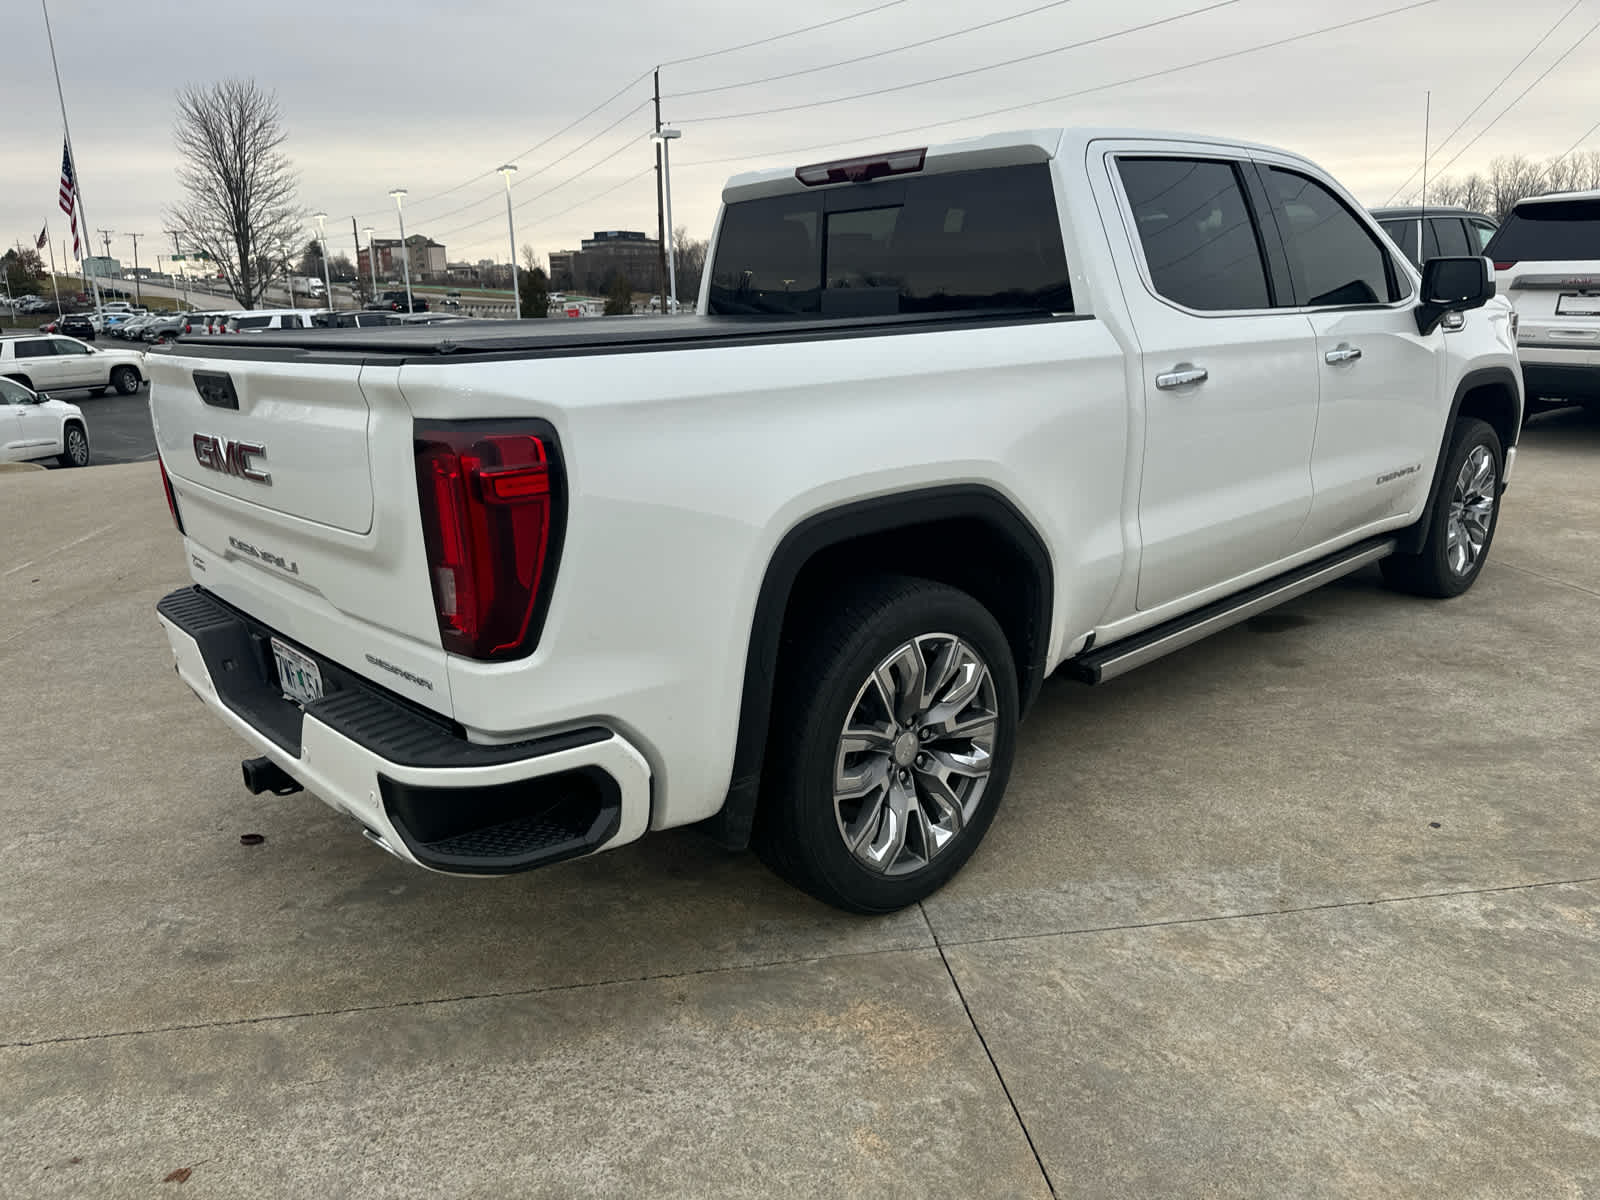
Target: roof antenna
x,y
1427,116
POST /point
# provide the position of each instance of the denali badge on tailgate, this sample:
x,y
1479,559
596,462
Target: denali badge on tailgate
x,y
231,458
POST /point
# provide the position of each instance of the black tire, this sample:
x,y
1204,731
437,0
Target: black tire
x,y
76,449
125,380
827,665
1430,572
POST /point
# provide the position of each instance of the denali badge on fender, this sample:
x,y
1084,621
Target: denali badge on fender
x,y
231,458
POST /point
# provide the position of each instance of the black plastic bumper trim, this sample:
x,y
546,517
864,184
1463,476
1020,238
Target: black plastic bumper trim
x,y
237,653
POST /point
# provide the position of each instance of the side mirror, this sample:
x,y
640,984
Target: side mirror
x,y
1453,285
41,397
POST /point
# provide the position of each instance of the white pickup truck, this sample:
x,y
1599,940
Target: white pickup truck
x,y
948,420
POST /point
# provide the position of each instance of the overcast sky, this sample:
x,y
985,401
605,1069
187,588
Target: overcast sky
x,y
425,95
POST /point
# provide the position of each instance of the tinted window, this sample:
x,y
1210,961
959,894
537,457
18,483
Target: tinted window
x,y
65,347
1552,231
1403,233
937,243
35,348
253,322
1198,238
290,321
1333,258
1482,231
1451,236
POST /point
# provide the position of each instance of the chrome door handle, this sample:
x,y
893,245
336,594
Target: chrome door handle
x,y
1342,353
1184,374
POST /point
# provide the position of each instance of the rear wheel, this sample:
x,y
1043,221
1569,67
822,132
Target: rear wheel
x,y
125,380
892,742
1463,521
75,448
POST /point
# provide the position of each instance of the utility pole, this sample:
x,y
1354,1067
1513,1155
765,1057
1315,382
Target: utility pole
x,y
138,292
355,236
661,219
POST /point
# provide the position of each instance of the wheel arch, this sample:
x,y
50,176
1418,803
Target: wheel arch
x,y
1492,394
1006,567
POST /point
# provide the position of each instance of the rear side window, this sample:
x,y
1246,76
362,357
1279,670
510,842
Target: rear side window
x,y
35,348
1482,231
972,240
1333,258
1446,238
1404,234
1199,240
1551,231
253,322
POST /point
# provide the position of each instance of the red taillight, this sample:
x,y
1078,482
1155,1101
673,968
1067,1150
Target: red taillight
x,y
188,328
488,500
860,170
1505,266
172,496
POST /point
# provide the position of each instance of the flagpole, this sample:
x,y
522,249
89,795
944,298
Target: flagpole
x,y
54,286
77,175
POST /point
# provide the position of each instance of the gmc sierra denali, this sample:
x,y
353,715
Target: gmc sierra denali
x,y
947,420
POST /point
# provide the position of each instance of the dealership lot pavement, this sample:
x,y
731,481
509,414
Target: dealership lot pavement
x,y
1309,909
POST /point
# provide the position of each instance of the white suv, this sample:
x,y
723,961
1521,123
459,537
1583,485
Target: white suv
x,y
51,363
34,426
1547,262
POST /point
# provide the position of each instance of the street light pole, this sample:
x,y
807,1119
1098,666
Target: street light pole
x,y
405,250
327,277
288,272
138,292
664,137
372,261
506,171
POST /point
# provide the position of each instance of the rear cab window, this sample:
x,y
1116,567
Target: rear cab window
x,y
1200,243
1549,231
981,240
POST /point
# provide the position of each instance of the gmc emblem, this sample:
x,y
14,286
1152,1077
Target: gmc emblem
x,y
231,458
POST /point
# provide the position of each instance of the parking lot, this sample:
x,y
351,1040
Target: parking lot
x,y
1307,909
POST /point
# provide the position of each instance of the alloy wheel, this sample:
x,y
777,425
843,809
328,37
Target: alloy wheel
x,y
1472,503
913,758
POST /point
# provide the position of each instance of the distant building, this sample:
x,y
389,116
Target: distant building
x,y
636,255
427,257
101,267
388,252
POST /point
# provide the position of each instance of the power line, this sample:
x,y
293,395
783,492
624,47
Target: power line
x,y
1537,80
1101,87
1439,149
861,58
1010,62
614,96
778,37
1580,141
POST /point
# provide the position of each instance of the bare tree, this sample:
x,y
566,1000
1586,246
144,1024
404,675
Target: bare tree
x,y
689,261
1514,177
239,204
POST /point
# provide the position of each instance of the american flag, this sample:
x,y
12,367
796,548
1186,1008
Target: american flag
x,y
69,197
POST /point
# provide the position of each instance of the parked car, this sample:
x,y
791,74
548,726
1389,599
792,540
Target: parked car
x,y
163,329
35,426
1025,403
76,325
365,318
1547,261
1439,230
279,318
56,364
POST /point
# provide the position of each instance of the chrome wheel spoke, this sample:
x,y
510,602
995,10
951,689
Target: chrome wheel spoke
x,y
1472,507
913,757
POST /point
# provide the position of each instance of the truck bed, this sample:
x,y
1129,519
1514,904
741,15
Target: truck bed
x,y
565,338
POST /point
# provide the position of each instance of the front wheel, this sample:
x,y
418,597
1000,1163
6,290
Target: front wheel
x,y
125,380
75,448
894,731
1463,521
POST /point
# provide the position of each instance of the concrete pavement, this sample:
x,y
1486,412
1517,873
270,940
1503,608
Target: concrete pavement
x,y
1308,909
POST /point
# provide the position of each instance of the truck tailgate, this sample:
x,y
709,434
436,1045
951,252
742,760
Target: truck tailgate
x,y
276,466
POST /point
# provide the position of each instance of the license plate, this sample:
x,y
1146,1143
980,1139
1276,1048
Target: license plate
x,y
1573,305
300,678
